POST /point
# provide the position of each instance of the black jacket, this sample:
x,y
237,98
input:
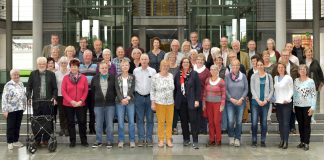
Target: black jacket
x,y
99,99
294,52
209,61
34,85
315,72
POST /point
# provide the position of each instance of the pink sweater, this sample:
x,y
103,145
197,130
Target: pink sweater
x,y
74,92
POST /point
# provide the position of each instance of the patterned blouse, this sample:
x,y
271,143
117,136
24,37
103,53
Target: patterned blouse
x,y
162,89
305,93
13,97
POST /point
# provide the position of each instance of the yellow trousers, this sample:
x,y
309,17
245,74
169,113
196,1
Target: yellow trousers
x,y
164,114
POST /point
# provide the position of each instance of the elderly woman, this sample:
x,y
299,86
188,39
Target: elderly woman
x,y
106,55
125,86
305,104
215,52
136,55
74,92
214,97
187,97
156,55
63,62
51,64
55,54
185,48
103,89
162,88
193,57
175,45
13,105
284,89
69,52
271,48
203,74
41,88
262,89
236,91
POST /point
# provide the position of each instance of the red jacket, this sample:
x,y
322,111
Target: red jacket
x,y
74,92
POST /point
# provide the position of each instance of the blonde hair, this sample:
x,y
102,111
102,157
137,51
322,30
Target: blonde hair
x,y
183,44
202,56
136,50
69,48
164,63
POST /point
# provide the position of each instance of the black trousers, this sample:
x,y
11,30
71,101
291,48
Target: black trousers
x,y
283,113
13,125
304,123
62,114
39,109
80,113
189,115
90,107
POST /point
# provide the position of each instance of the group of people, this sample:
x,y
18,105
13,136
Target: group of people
x,y
210,89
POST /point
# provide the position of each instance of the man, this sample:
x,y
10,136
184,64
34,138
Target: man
x,y
120,53
206,45
298,50
54,43
42,89
97,55
135,41
243,57
143,78
88,68
83,45
175,46
224,50
194,41
252,50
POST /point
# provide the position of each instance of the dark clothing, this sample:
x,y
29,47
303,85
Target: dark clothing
x,y
315,72
62,114
80,114
283,113
44,108
299,53
90,106
98,96
304,123
119,87
34,83
209,62
96,59
221,73
13,125
249,75
128,52
155,60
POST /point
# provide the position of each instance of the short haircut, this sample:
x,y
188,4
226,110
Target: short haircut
x,y
134,36
163,63
202,56
265,52
55,48
12,71
69,48
49,59
83,38
235,61
156,39
257,57
308,49
260,60
63,60
106,51
124,62
214,66
303,66
171,54
102,63
75,62
41,60
136,50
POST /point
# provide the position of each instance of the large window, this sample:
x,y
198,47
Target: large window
x,y
22,10
22,54
322,8
302,9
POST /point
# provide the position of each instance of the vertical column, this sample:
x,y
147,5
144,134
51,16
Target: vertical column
x,y
316,28
280,24
181,37
180,12
8,37
37,30
142,36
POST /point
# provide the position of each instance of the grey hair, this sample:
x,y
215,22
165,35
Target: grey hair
x,y
106,51
63,59
41,59
235,41
14,71
214,66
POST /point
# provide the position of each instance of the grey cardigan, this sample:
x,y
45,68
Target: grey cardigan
x,y
255,86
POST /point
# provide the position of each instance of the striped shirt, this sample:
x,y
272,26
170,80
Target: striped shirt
x,y
215,92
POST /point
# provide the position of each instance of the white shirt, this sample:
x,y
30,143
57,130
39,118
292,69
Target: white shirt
x,y
206,53
143,79
224,56
284,89
288,68
294,59
125,87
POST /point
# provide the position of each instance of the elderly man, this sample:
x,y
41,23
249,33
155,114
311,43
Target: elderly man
x,y
88,68
120,53
175,46
243,57
206,46
195,44
83,45
41,88
298,50
97,52
252,50
143,79
135,41
54,43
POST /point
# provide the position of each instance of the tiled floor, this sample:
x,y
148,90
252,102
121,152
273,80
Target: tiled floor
x,y
178,152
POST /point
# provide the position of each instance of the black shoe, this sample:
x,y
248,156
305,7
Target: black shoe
x,y
224,132
195,146
210,144
293,131
140,143
285,146
85,144
281,144
96,145
254,144
186,143
306,147
263,144
72,144
66,132
301,145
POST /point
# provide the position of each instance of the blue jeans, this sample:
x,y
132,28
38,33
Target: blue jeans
x,y
224,118
234,115
143,109
130,109
256,112
104,114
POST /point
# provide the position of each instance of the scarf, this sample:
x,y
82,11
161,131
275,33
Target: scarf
x,y
237,77
74,78
183,79
103,76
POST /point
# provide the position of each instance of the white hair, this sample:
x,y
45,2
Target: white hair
x,y
41,60
235,41
106,51
63,59
14,71
216,52
193,51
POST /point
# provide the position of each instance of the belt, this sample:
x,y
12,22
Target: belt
x,y
143,95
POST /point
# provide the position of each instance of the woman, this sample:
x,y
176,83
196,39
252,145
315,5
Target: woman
x,y
63,62
106,55
262,90
162,88
315,71
254,69
215,52
268,66
103,89
284,89
185,48
305,104
203,74
271,48
218,61
236,92
55,54
74,92
136,55
69,52
193,56
13,102
125,87
213,103
156,55
51,64
187,97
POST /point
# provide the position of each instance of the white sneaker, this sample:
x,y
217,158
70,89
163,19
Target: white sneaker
x,y
10,146
120,144
237,143
132,144
231,141
18,144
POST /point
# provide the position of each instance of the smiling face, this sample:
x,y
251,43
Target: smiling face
x,y
194,38
260,66
15,76
281,69
186,64
135,41
103,68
